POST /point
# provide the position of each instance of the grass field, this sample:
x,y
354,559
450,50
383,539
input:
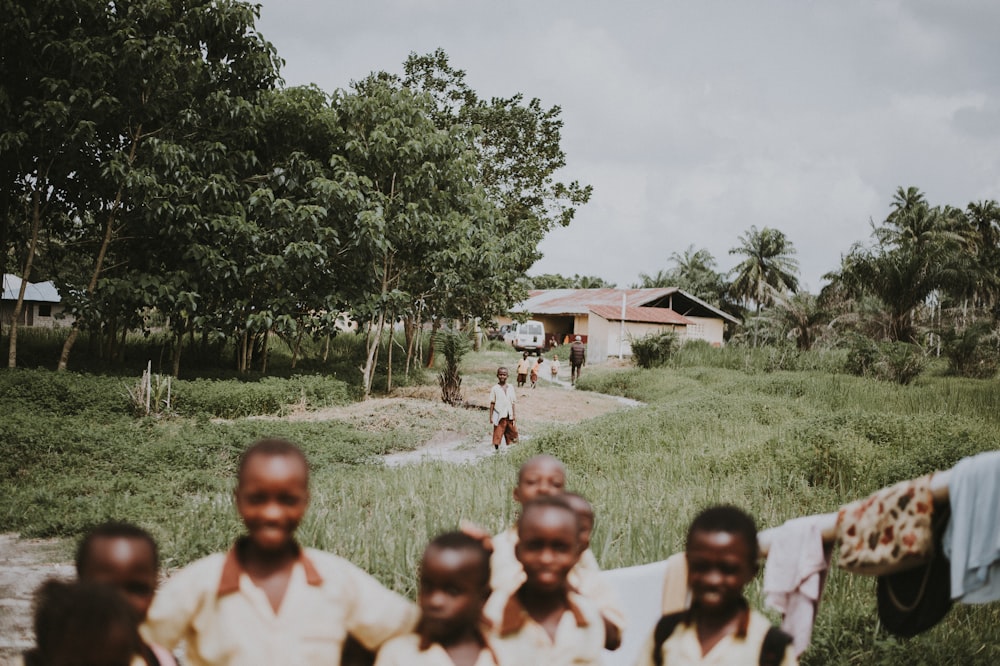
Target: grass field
x,y
732,427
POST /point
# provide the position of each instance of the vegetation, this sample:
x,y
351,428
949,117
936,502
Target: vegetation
x,y
155,170
781,436
453,345
654,350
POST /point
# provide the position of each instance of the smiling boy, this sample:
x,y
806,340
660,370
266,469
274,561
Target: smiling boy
x,y
720,627
544,621
268,600
545,476
454,586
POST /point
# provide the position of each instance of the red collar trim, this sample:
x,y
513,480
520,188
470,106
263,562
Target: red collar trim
x,y
232,569
515,615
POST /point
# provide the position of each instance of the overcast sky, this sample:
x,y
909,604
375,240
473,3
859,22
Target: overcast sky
x,y
695,120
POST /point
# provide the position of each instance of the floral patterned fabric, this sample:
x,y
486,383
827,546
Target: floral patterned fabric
x,y
889,531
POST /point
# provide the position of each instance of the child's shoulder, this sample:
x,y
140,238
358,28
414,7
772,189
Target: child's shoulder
x,y
400,649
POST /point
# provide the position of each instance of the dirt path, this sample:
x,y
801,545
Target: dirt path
x,y
460,436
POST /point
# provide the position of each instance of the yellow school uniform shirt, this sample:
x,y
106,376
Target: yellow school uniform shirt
x,y
520,641
741,648
409,650
506,573
224,618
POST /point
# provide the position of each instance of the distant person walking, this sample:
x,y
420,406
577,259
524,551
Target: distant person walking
x,y
523,368
577,358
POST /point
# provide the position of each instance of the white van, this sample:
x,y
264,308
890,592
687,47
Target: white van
x,y
530,337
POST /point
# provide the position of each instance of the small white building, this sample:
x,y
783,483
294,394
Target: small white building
x,y
42,304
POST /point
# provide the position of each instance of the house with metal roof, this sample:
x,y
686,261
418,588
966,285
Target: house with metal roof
x,y
609,319
42,304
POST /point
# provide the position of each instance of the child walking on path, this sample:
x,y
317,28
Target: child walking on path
x,y
554,367
523,368
502,417
535,369
720,627
268,600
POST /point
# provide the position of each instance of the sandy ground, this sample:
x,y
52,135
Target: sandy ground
x,y
450,434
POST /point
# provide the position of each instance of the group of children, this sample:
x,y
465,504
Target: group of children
x,y
529,595
527,370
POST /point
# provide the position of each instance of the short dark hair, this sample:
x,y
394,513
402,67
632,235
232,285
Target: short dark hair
x,y
462,541
113,530
77,617
533,460
271,446
545,502
728,519
577,500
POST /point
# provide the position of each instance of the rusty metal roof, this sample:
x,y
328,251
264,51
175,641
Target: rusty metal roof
x,y
580,301
641,315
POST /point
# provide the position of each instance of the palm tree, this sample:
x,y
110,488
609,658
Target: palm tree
x,y
801,316
768,266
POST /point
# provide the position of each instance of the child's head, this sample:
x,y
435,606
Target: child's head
x,y
585,514
124,556
722,556
548,544
84,623
524,354
540,476
555,358
502,374
454,586
272,493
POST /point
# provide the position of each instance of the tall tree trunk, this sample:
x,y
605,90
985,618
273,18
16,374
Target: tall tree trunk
x,y
267,341
36,218
388,360
372,342
430,351
101,253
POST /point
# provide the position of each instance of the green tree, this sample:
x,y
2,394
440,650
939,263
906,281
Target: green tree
x,y
768,266
916,253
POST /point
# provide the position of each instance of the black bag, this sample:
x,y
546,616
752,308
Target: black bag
x,y
912,601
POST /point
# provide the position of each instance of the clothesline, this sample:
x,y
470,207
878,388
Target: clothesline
x,y
828,521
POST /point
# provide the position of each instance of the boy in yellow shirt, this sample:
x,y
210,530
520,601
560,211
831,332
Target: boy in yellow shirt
x,y
544,621
454,586
542,476
268,600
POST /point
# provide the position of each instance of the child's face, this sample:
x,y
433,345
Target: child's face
x,y
719,567
272,497
502,375
126,563
452,592
540,478
548,547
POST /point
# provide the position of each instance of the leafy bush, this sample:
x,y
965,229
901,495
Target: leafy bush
x,y
974,352
862,354
898,362
230,399
654,350
453,345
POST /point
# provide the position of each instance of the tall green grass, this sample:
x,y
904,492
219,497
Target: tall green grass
x,y
780,443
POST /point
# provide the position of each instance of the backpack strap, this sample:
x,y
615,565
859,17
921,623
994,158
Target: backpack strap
x,y
664,628
772,649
